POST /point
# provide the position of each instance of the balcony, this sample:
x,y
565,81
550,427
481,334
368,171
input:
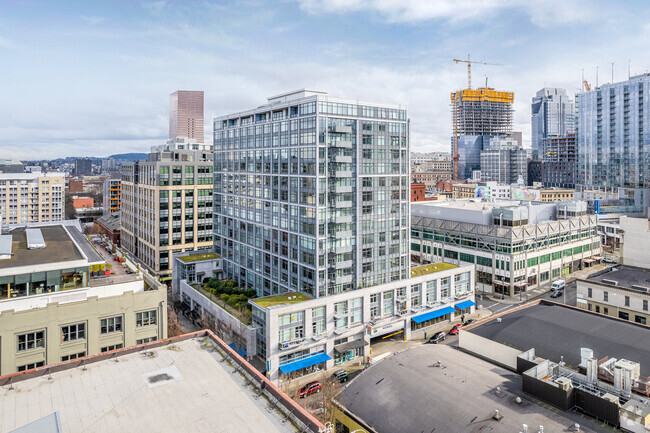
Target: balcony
x,y
319,336
341,314
341,329
291,344
342,219
342,204
339,189
401,311
342,159
343,174
400,298
342,280
342,264
344,144
340,234
338,129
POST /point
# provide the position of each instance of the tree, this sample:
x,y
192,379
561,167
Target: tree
x,y
174,327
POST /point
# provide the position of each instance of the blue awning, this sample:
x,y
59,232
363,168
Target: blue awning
x,y
432,314
465,304
304,363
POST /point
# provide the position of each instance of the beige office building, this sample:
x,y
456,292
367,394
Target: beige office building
x,y
186,115
166,206
31,197
57,303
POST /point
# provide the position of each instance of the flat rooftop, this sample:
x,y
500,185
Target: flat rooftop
x,y
430,269
285,298
555,331
182,387
406,392
58,248
198,257
625,276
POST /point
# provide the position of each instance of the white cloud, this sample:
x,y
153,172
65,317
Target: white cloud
x,y
545,13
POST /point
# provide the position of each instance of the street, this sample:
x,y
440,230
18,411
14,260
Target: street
x,y
498,305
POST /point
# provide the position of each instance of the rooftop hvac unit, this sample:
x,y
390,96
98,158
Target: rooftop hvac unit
x,y
564,383
633,367
618,378
585,355
612,398
592,371
627,383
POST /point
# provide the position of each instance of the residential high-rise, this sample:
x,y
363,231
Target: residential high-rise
x,y
477,113
559,161
307,188
552,116
312,210
112,197
613,138
166,206
186,115
31,197
503,161
83,167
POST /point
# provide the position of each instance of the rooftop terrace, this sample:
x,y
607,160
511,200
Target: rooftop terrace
x,y
198,257
285,298
432,268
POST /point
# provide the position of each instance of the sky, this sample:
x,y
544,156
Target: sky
x,y
93,78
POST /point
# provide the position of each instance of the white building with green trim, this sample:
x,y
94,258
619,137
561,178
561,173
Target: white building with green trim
x,y
515,246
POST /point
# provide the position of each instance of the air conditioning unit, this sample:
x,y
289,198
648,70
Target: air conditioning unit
x,y
564,383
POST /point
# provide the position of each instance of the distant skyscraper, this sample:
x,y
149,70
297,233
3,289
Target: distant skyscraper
x,y
552,116
83,166
613,140
186,115
503,161
477,113
559,157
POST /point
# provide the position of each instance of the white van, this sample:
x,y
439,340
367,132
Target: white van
x,y
558,285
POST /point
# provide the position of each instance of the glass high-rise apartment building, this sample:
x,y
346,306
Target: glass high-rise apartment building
x,y
312,194
552,116
613,138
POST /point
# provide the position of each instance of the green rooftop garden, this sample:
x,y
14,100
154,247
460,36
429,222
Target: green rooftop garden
x,y
285,298
430,269
199,257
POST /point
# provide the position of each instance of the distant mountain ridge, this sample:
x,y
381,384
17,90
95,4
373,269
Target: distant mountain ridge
x,y
130,156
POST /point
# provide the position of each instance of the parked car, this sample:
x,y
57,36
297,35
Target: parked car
x,y
340,375
469,322
309,389
437,337
609,260
556,294
455,330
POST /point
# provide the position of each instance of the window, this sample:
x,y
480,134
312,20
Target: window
x,y
589,293
645,305
30,366
623,315
627,301
31,340
73,356
605,310
145,340
112,347
112,324
640,319
73,332
145,318
605,296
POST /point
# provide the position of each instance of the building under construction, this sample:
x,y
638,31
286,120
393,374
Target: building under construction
x,y
477,113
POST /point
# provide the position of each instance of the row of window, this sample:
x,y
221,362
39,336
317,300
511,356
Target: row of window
x,y
36,339
626,299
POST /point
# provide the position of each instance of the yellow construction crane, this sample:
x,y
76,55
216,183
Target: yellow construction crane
x,y
587,86
469,68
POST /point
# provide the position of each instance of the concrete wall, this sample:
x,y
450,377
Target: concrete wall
x,y
489,349
245,331
635,240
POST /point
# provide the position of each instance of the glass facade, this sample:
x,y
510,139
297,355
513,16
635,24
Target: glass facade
x,y
36,283
613,137
311,195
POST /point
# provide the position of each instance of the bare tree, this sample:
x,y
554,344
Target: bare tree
x,y
331,388
174,327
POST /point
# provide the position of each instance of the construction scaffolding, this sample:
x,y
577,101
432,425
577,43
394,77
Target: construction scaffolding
x,y
482,111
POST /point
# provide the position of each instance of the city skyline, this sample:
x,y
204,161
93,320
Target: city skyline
x,y
88,81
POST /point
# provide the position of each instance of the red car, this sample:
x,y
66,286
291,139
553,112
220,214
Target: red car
x,y
309,389
455,330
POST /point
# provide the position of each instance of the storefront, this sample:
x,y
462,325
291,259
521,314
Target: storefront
x,y
292,367
432,318
348,351
464,307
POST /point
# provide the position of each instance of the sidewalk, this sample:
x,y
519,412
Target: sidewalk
x,y
545,288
